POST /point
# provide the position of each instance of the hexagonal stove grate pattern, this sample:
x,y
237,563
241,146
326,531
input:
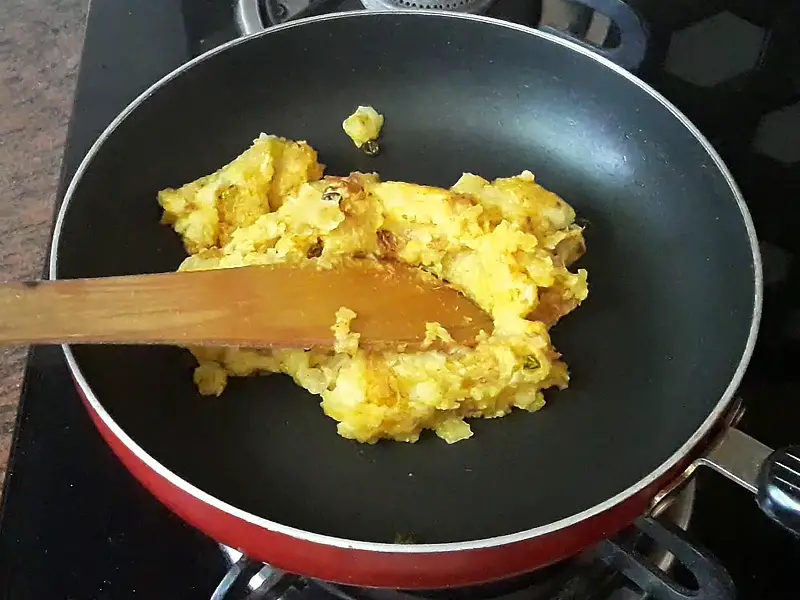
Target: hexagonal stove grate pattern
x,y
715,50
778,134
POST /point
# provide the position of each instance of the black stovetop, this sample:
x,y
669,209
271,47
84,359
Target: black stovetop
x,y
75,525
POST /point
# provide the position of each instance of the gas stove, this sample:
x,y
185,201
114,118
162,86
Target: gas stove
x,y
581,578
74,522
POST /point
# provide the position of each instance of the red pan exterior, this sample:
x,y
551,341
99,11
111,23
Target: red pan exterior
x,y
383,569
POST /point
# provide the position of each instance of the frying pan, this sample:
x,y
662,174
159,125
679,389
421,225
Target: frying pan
x,y
656,352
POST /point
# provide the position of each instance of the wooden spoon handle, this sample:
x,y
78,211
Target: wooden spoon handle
x,y
273,307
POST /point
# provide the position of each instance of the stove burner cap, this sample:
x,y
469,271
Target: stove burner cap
x,y
462,6
253,16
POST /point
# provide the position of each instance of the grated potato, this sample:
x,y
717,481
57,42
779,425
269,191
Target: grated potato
x,y
346,341
507,244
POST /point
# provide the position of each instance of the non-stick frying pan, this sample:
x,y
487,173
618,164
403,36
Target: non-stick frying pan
x,y
656,352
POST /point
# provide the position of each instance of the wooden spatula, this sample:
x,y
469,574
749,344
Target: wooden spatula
x,y
268,307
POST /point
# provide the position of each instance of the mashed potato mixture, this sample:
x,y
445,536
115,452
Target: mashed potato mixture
x,y
507,244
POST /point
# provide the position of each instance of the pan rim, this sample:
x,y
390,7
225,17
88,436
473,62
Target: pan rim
x,y
485,543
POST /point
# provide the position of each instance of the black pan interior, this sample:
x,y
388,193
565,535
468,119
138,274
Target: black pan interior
x,y
651,352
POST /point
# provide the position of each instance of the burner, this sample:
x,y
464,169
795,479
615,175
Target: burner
x,y
576,20
466,6
579,578
253,16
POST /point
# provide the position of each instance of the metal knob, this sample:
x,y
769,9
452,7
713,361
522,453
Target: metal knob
x,y
779,488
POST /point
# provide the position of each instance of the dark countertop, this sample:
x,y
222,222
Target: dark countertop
x,y
40,43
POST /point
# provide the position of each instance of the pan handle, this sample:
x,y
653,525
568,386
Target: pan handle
x,y
772,475
633,32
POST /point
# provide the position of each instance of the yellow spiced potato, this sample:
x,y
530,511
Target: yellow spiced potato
x,y
506,244
363,126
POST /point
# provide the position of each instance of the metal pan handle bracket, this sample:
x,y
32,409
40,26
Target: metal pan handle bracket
x,y
772,475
